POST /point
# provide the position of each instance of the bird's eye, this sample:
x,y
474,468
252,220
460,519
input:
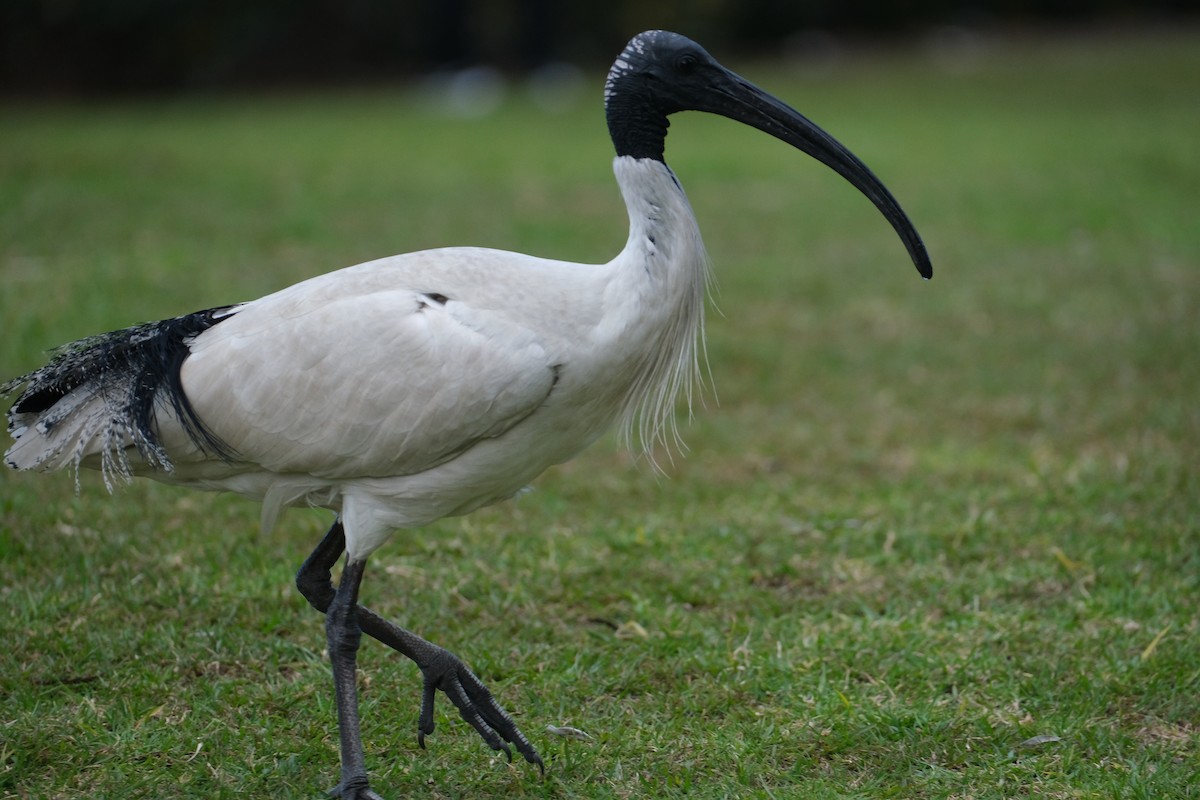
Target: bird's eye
x,y
686,64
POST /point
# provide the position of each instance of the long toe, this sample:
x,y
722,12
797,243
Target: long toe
x,y
446,672
356,791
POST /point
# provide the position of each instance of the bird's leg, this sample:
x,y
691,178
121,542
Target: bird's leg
x,y
343,634
441,668
446,671
315,578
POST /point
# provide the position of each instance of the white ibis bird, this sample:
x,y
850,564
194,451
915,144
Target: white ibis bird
x,y
407,389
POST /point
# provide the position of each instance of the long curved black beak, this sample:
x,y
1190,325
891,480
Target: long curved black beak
x,y
736,98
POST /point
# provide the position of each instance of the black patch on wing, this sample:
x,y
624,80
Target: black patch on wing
x,y
132,370
428,297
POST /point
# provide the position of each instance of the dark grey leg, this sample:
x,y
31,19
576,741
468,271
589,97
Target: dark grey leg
x,y
315,579
343,634
441,669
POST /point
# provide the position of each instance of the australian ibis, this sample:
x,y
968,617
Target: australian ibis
x,y
415,387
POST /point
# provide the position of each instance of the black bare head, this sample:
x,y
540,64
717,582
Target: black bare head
x,y
660,73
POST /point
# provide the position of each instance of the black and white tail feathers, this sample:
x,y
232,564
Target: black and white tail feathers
x,y
97,397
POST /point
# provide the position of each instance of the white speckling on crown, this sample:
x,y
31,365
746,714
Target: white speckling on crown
x,y
637,46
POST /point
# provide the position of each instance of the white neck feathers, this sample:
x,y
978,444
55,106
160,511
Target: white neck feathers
x,y
663,279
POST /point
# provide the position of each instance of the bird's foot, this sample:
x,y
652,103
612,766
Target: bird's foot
x,y
445,671
354,790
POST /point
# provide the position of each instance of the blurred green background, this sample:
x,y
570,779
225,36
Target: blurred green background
x,y
105,46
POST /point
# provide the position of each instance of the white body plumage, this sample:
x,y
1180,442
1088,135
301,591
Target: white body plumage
x,y
410,388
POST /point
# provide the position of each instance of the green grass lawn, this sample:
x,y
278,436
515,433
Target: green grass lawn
x,y
933,540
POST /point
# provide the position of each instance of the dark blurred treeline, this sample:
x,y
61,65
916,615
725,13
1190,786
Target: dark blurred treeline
x,y
113,46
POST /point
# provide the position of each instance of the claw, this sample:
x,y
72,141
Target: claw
x,y
354,791
444,671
